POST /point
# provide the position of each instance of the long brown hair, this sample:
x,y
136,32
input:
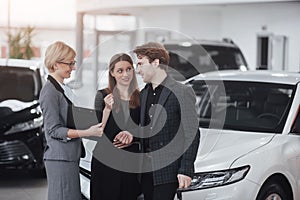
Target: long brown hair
x,y
133,87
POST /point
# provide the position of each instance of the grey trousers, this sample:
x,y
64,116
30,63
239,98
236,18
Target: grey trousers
x,y
63,180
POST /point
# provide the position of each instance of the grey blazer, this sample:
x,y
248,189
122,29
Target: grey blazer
x,y
55,108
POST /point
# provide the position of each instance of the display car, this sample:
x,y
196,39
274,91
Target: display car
x,y
249,124
191,57
22,139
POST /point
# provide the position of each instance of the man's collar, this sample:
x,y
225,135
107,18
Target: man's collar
x,y
163,83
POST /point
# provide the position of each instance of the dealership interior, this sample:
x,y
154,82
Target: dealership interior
x,y
263,35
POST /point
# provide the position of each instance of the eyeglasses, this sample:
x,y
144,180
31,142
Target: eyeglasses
x,y
70,64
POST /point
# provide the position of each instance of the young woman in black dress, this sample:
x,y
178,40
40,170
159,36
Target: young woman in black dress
x,y
119,111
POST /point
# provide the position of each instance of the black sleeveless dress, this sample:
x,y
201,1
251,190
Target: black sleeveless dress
x,y
106,181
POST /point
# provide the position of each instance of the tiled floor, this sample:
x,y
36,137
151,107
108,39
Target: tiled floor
x,y
21,185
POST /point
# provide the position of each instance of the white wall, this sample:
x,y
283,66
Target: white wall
x,y
157,19
53,20
38,13
201,22
103,5
240,22
243,23
44,38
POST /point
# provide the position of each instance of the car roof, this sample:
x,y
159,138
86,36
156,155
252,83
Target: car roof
x,y
225,43
32,64
257,76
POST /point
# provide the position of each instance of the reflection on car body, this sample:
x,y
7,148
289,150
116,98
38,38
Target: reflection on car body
x,y
21,123
248,147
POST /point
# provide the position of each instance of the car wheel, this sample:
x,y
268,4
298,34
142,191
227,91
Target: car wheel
x,y
272,191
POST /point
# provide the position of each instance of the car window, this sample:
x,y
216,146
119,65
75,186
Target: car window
x,y
192,60
240,105
225,57
18,83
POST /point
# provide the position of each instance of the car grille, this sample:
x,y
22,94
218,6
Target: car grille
x,y
14,152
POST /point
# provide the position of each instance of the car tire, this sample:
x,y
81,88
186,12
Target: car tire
x,y
272,190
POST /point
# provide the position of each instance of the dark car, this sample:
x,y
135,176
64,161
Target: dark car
x,y
189,58
22,138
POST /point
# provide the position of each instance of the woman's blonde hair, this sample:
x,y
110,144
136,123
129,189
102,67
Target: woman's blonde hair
x,y
58,52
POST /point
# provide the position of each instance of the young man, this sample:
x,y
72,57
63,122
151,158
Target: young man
x,y
170,126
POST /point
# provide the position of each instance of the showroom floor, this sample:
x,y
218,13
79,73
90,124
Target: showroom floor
x,y
21,185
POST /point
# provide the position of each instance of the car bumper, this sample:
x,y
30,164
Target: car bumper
x,y
241,190
85,178
23,150
244,189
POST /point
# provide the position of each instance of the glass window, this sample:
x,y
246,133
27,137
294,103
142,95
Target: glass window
x,y
192,60
239,105
18,83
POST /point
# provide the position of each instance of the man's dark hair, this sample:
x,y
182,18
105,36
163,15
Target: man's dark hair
x,y
154,50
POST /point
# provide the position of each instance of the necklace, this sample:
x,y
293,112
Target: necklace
x,y
124,97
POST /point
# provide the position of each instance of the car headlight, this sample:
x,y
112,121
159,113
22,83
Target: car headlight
x,y
31,124
217,178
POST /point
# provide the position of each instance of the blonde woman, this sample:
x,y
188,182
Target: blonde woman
x,y
63,148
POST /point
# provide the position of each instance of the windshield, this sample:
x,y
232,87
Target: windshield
x,y
19,83
240,105
189,61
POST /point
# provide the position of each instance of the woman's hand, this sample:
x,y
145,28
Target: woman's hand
x,y
96,130
109,101
123,139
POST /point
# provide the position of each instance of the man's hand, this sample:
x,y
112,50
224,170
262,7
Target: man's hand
x,y
184,181
123,139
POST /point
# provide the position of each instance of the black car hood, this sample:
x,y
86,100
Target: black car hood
x,y
10,116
